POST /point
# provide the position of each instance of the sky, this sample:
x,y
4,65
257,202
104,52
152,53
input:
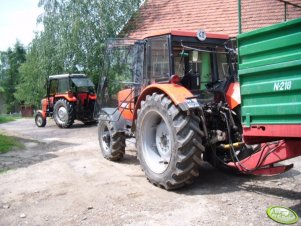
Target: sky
x,y
18,21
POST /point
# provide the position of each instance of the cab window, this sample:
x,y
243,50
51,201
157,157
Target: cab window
x,y
53,87
63,85
158,63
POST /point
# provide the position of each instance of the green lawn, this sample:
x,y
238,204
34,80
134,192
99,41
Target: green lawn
x,y
7,118
7,143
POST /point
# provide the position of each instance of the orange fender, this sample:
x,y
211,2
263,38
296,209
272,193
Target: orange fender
x,y
66,96
176,93
43,113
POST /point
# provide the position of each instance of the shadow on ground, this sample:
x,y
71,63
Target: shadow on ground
x,y
32,153
212,181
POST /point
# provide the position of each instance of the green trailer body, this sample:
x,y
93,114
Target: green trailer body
x,y
270,81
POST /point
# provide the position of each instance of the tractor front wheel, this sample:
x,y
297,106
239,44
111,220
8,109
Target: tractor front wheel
x,y
39,120
169,142
63,113
111,142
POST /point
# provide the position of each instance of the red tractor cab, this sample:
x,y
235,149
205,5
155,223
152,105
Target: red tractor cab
x,y
69,97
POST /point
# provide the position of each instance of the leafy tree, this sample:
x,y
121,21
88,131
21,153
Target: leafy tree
x,y
73,40
30,89
11,61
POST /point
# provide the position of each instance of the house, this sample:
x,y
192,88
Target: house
x,y
220,16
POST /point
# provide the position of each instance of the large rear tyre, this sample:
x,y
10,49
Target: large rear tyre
x,y
63,113
39,120
111,142
169,142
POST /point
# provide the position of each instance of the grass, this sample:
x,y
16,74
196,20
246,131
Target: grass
x,y
3,170
8,143
7,118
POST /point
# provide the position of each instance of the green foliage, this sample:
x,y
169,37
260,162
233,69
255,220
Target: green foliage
x,y
31,88
5,118
8,143
10,62
73,41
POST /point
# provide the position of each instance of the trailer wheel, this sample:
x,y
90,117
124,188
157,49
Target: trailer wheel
x,y
39,120
169,142
111,142
63,113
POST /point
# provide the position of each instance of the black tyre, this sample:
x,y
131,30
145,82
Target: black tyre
x,y
169,142
111,142
63,113
89,123
39,120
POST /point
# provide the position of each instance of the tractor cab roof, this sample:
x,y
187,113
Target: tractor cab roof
x,y
185,33
51,77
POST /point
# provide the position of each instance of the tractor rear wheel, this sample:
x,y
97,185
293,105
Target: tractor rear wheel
x,y
169,142
39,120
63,113
111,142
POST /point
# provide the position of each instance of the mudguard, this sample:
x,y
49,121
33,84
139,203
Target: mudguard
x,y
179,95
66,96
115,117
43,113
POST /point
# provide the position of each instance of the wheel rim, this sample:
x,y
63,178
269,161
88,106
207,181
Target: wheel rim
x,y
105,138
156,142
62,114
39,120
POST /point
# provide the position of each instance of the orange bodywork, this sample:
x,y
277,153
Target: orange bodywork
x,y
126,104
66,96
233,95
177,93
83,97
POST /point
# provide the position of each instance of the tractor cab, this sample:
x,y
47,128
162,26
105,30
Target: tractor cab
x,y
69,97
73,87
195,60
74,83
200,62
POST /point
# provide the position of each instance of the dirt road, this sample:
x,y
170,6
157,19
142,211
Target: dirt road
x,y
60,178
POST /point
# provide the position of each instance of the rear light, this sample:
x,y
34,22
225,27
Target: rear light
x,y
70,94
175,79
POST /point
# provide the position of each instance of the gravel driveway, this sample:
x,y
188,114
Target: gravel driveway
x,y
60,178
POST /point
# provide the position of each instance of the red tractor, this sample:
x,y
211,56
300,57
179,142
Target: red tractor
x,y
177,93
69,97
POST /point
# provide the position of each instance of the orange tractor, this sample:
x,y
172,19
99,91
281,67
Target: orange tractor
x,y
69,97
178,94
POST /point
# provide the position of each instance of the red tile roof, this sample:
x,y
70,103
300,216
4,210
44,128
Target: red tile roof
x,y
220,16
260,13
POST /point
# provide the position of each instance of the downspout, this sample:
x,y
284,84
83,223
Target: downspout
x,y
239,16
285,9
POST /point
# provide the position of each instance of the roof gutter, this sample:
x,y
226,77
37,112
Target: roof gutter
x,y
239,16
